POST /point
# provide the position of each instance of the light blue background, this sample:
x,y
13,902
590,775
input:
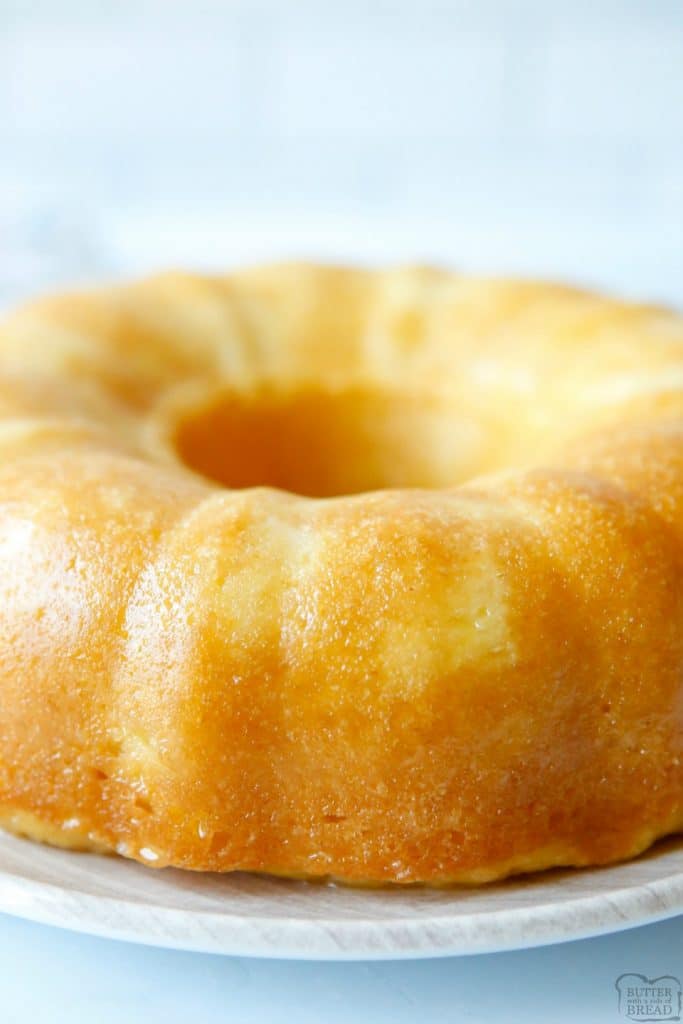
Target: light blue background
x,y
55,976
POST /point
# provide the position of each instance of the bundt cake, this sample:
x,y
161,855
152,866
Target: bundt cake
x,y
374,576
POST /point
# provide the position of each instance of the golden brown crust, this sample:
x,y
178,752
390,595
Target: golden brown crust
x,y
476,671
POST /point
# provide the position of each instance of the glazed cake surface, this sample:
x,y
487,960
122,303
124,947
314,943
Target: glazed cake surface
x,y
375,576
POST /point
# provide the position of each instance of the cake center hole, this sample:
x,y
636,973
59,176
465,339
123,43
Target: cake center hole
x,y
322,444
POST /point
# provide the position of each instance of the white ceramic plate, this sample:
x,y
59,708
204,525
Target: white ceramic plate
x,y
249,915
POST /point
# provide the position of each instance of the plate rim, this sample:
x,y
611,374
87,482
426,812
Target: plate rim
x,y
342,939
